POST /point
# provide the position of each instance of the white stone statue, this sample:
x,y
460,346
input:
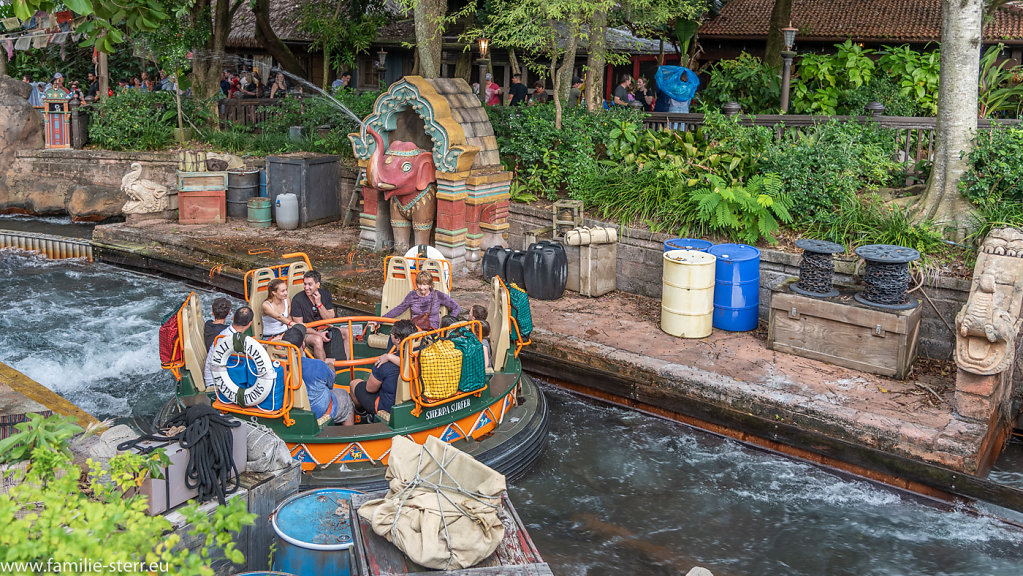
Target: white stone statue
x,y
144,196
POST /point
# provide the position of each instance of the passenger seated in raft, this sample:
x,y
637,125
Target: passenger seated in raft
x,y
477,312
425,303
276,319
318,377
485,338
447,321
221,308
240,323
312,304
379,391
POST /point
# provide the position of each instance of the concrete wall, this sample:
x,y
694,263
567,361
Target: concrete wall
x,y
640,263
86,184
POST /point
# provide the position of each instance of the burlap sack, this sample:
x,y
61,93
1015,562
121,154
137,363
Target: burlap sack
x,y
442,509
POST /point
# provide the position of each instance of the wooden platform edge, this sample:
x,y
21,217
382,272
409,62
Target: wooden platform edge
x,y
43,395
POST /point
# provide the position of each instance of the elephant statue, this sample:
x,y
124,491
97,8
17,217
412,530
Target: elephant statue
x,y
407,176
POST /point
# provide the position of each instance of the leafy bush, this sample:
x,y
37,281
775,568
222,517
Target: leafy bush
x,y
866,219
823,167
823,81
312,112
745,212
916,75
747,81
133,120
652,196
995,175
550,161
882,88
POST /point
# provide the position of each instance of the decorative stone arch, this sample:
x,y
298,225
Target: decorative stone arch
x,y
442,115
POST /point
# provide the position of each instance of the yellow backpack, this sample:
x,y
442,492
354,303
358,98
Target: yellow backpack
x,y
440,369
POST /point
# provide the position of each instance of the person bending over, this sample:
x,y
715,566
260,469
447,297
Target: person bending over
x,y
379,391
318,377
221,308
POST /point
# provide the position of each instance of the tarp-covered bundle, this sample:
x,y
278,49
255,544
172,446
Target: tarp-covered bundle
x,y
443,507
678,82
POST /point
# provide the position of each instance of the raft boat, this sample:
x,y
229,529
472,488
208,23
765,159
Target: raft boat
x,y
504,424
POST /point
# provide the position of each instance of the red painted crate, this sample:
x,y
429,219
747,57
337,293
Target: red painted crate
x,y
202,206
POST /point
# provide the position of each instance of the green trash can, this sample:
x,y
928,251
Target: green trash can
x,y
259,212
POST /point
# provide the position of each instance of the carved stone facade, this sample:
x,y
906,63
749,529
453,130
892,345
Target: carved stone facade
x,y
145,197
444,116
987,330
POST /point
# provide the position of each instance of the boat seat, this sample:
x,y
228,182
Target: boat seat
x,y
257,295
192,341
301,395
500,325
398,282
296,278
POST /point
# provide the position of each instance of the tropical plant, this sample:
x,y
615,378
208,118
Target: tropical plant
x,y
55,520
867,219
48,434
822,80
342,29
916,74
995,175
745,80
745,212
134,120
1000,87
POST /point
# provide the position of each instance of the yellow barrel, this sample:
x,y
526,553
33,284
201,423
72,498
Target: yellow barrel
x,y
687,293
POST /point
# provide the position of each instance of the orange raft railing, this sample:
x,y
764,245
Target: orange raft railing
x,y
292,365
443,275
279,271
351,364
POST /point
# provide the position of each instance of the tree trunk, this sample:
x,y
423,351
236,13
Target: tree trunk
x,y
513,61
781,15
957,115
596,61
209,60
463,69
3,66
429,36
268,39
563,78
103,72
326,69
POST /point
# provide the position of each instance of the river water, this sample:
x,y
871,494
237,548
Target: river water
x,y
616,493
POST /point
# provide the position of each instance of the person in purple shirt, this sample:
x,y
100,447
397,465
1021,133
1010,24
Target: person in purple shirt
x,y
425,303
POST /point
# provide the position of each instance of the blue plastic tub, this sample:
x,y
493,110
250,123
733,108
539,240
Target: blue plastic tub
x,y
687,244
736,287
312,539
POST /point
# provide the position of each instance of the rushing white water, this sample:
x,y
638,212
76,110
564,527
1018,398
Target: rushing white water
x,y
616,493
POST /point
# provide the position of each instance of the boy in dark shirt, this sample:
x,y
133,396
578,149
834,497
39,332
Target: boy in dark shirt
x,y
221,308
517,93
379,391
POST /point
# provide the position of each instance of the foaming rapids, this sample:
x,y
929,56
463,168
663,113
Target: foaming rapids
x,y
88,332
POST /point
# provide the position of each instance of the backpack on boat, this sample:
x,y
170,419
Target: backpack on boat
x,y
172,351
440,369
474,368
519,302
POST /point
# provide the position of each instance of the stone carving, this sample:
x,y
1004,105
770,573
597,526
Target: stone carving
x,y
406,175
987,326
144,196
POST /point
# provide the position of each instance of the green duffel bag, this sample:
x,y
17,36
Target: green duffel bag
x,y
519,302
474,368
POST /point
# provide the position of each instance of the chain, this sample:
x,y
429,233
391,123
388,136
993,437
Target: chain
x,y
886,283
815,272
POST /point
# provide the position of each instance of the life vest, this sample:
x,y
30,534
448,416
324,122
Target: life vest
x,y
266,375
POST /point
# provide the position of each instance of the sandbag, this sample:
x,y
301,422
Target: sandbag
x,y
443,507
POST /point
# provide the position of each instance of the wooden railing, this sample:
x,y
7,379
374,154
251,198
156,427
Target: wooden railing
x,y
244,111
914,136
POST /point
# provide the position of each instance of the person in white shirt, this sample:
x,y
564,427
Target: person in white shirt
x,y
240,322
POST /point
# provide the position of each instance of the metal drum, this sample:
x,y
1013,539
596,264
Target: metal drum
x,y
687,293
241,185
687,244
736,287
259,212
314,532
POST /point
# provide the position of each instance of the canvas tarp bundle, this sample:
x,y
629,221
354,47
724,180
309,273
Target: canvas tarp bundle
x,y
443,507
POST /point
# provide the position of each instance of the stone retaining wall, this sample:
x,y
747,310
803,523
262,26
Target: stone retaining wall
x,y
640,263
86,184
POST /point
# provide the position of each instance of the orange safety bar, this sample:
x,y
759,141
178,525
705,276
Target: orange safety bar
x,y
179,343
409,349
351,364
293,363
519,341
444,264
279,270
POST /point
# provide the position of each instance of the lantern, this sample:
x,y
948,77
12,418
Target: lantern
x,y
57,116
789,35
483,42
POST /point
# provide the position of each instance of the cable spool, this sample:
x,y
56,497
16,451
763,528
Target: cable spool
x,y
886,276
817,268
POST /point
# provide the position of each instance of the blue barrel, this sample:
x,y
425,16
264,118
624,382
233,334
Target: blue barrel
x,y
687,244
736,287
312,537
262,183
264,573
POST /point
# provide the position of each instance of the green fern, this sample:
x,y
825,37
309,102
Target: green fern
x,y
745,212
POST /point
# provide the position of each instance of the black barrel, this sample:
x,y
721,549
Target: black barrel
x,y
515,269
546,270
242,184
494,260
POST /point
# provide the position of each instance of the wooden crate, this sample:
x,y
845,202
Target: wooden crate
x,y
843,332
195,181
592,269
202,207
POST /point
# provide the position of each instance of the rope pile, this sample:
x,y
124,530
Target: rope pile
x,y
211,470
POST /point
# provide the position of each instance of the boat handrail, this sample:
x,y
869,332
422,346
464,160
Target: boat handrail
x,y
445,272
351,363
410,348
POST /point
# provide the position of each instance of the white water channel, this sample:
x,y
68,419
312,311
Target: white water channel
x,y
616,493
